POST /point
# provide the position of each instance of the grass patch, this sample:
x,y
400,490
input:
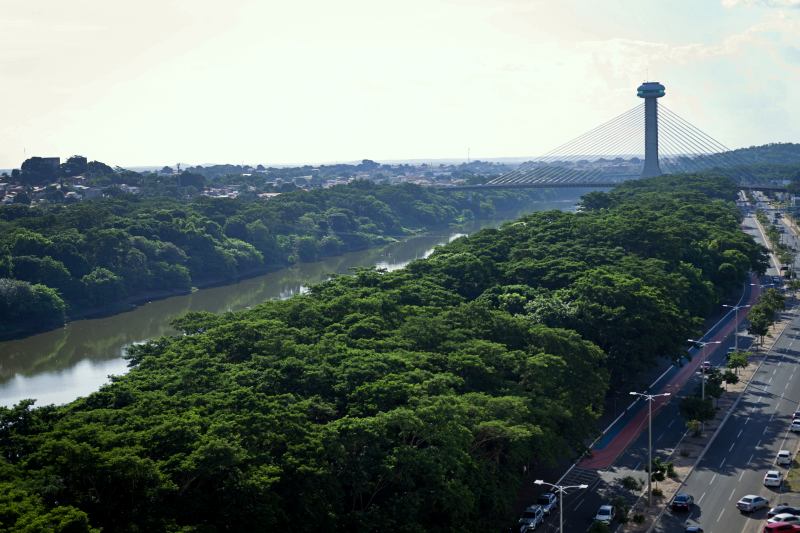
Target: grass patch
x,y
792,481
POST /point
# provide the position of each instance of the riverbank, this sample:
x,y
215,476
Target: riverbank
x,y
62,364
134,301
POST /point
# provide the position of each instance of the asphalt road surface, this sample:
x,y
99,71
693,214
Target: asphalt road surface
x,y
763,430
746,447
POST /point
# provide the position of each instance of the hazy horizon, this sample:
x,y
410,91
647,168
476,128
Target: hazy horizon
x,y
155,83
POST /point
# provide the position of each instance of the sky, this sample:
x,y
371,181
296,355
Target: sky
x,y
157,82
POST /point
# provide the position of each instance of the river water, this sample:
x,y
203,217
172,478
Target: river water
x,y
61,365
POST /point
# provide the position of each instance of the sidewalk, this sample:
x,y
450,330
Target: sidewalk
x,y
690,449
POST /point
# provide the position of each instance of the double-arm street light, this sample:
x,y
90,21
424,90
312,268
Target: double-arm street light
x,y
703,357
736,324
649,398
560,490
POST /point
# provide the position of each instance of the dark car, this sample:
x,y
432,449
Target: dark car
x,y
682,502
547,502
693,529
783,508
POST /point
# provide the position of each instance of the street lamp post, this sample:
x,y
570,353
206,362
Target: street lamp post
x,y
649,398
560,490
736,324
703,370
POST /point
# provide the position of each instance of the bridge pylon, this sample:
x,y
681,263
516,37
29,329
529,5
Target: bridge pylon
x,y
651,91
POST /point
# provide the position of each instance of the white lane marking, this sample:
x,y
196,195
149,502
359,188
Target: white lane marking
x,y
720,515
701,498
741,475
659,437
774,370
750,460
770,419
732,445
671,422
731,496
740,433
746,420
712,479
758,443
770,381
786,386
765,429
637,465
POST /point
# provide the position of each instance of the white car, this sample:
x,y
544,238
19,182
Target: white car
x,y
784,517
773,478
784,458
605,514
795,425
751,503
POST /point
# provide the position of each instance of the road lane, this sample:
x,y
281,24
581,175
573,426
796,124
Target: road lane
x,y
757,430
668,429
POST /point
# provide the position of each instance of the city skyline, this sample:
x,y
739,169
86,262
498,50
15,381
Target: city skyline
x,y
263,82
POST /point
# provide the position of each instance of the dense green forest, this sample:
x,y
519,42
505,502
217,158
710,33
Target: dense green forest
x,y
387,401
58,261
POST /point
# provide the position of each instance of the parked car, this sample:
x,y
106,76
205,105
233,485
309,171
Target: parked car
x,y
605,514
773,478
785,517
693,529
783,508
784,457
547,501
682,501
795,425
781,527
531,518
751,503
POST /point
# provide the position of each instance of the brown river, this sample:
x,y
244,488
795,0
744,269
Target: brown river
x,y
61,365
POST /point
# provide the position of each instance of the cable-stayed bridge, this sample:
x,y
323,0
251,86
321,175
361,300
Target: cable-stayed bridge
x,y
647,140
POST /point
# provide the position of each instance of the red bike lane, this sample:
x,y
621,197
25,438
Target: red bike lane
x,y
616,440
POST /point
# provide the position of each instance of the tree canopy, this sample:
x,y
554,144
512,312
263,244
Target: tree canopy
x,y
384,401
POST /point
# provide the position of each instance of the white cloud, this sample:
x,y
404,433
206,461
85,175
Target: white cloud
x,y
763,3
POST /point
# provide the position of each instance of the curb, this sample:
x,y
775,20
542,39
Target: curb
x,y
719,428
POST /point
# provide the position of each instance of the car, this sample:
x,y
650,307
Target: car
x,y
682,501
781,527
784,457
785,517
547,501
751,503
705,366
605,514
531,518
795,425
783,508
773,478
693,529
